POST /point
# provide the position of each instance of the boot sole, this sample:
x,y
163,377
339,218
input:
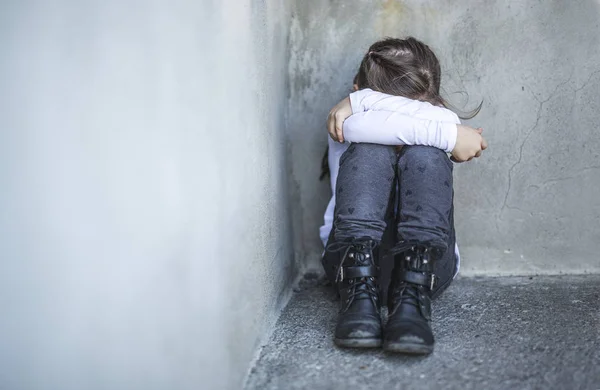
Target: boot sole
x,y
408,348
358,343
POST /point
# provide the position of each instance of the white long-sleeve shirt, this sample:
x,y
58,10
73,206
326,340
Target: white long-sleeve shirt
x,y
389,120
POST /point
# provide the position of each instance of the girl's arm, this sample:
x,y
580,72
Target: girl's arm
x,y
394,128
392,120
367,99
396,120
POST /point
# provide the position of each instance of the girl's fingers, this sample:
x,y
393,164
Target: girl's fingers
x,y
339,133
484,144
339,129
331,127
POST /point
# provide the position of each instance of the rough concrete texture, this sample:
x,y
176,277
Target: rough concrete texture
x,y
144,232
491,333
529,205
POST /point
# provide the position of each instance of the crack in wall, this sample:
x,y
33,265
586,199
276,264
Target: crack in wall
x,y
505,204
535,125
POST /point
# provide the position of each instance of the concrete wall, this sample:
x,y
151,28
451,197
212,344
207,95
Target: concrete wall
x,y
144,230
530,204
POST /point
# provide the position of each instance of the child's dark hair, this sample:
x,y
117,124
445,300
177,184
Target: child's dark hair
x,y
404,67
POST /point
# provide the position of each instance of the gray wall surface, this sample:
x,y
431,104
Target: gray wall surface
x,y
530,205
144,232
149,218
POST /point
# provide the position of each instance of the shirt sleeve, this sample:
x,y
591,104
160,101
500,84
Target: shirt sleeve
x,y
369,100
395,128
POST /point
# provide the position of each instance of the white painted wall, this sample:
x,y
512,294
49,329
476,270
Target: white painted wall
x,y
144,232
530,204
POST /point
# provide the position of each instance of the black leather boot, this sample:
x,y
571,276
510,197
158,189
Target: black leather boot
x,y
409,302
359,322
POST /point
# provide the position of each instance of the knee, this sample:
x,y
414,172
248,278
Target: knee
x,y
365,153
424,156
371,149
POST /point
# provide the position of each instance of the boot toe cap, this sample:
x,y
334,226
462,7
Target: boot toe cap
x,y
409,337
365,327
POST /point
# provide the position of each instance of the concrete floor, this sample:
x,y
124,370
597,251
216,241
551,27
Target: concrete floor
x,y
491,333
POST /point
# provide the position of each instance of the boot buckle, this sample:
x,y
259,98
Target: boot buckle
x,y
432,281
339,277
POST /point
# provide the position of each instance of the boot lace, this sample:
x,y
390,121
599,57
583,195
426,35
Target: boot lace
x,y
404,291
364,287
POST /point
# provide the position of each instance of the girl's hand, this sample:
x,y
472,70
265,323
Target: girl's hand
x,y
336,118
469,143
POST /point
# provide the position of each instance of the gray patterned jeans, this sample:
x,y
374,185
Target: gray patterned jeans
x,y
366,199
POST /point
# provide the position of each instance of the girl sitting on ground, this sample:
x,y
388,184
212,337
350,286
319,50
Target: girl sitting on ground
x,y
397,103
